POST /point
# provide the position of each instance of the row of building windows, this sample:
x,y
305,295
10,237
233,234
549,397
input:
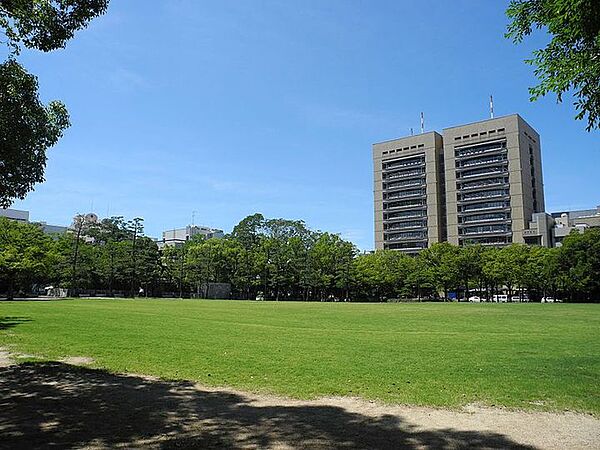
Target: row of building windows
x,y
484,206
405,225
484,194
403,174
404,214
480,161
406,246
403,204
464,152
483,171
486,240
403,163
489,217
405,183
485,229
405,235
483,133
405,148
403,194
482,183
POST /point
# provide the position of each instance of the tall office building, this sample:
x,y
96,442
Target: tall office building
x,y
479,183
493,180
408,190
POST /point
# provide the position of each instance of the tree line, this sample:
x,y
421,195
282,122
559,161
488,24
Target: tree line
x,y
279,259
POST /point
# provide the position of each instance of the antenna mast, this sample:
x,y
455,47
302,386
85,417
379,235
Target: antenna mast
x,y
491,107
422,124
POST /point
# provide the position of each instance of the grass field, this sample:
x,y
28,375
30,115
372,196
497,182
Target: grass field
x,y
530,356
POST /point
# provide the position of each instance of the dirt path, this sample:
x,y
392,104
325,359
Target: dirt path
x,y
63,405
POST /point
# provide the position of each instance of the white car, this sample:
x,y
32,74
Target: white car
x,y
475,299
500,298
548,300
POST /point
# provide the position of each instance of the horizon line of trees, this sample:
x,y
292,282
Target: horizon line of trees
x,y
280,259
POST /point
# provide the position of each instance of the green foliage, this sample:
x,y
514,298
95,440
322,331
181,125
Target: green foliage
x,y
27,127
278,259
571,60
27,130
526,356
46,24
25,254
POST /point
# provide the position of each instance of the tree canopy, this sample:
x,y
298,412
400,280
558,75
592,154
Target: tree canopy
x,y
279,259
571,60
46,24
27,127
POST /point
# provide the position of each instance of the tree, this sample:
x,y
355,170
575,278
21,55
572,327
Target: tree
x,y
441,261
24,255
571,60
27,129
46,24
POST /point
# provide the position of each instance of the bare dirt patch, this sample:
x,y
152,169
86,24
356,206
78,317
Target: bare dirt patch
x,y
78,360
5,359
56,404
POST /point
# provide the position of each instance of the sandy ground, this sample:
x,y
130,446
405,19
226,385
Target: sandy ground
x,y
61,405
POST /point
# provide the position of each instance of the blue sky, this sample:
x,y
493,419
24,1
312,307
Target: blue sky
x,y
225,108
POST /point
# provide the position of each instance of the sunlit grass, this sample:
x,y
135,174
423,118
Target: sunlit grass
x,y
516,355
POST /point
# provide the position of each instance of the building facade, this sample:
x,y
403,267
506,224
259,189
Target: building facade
x,y
549,230
477,183
180,236
15,214
408,189
494,180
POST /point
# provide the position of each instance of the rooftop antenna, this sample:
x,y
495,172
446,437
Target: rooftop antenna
x,y
422,124
411,131
194,217
491,107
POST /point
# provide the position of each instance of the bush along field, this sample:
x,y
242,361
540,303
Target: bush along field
x,y
529,356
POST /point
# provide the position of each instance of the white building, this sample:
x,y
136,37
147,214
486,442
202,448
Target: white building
x,y
180,236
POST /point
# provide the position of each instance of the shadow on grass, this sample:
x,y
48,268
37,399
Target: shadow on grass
x,y
57,405
7,322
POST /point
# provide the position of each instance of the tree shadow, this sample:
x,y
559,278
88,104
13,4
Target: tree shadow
x,y
57,405
7,322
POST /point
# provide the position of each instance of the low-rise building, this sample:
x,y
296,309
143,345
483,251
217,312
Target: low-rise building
x,y
15,214
549,230
180,236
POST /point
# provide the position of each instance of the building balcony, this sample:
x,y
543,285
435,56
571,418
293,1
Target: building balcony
x,y
484,184
481,163
484,196
491,171
478,150
403,194
403,164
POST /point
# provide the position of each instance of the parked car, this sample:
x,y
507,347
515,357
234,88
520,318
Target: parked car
x,y
475,299
502,298
548,300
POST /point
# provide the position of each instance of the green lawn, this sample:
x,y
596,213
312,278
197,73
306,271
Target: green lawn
x,y
532,356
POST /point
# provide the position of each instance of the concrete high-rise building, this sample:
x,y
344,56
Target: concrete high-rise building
x,y
408,190
493,180
476,183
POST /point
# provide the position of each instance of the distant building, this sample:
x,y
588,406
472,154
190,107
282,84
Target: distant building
x,y
15,214
180,236
52,229
478,183
23,216
549,230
